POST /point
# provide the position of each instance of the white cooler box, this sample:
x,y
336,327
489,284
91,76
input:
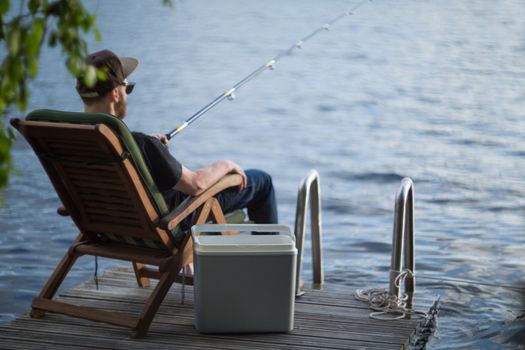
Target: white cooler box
x,y
244,283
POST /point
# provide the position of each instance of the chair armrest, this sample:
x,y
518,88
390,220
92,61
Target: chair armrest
x,y
190,204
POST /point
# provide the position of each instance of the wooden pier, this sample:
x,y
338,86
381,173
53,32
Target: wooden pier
x,y
326,319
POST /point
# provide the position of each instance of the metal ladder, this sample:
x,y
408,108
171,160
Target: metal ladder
x,y
403,242
309,193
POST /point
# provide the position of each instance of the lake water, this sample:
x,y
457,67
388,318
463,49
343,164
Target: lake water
x,y
433,90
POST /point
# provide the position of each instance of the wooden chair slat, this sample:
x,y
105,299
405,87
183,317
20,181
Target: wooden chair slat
x,y
85,183
101,176
110,218
83,174
94,199
93,167
118,212
113,318
115,193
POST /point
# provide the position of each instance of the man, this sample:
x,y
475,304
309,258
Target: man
x,y
174,180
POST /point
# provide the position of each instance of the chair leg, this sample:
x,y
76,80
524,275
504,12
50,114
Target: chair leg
x,y
56,279
187,255
211,208
205,211
156,298
141,280
216,212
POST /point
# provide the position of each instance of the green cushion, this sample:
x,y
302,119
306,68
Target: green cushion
x,y
125,136
235,217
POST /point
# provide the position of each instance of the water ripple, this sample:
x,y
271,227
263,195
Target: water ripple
x,y
370,177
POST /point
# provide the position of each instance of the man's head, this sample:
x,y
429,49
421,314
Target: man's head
x,y
108,95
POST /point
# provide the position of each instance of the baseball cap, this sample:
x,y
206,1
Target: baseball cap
x,y
117,70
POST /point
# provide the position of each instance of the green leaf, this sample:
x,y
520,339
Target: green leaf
x,y
15,69
72,65
98,35
4,7
33,6
72,33
5,157
34,39
6,139
22,96
13,41
33,67
102,73
90,78
5,85
11,135
87,22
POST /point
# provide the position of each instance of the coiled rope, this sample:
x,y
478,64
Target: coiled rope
x,y
389,307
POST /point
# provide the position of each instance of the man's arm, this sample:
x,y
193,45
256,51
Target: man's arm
x,y
195,182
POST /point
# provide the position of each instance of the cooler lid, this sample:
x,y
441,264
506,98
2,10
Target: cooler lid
x,y
244,243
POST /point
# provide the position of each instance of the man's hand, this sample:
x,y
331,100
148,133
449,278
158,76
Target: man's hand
x,y
236,169
162,138
195,182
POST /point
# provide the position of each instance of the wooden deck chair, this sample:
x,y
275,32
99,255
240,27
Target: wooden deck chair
x,y
100,176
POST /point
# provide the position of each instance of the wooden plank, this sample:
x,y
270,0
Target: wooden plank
x,y
317,327
23,344
303,310
328,319
166,339
125,280
301,317
117,280
174,332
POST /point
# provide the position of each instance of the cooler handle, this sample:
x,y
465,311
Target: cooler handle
x,y
283,229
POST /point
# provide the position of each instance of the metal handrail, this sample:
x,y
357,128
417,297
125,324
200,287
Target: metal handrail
x,y
403,242
309,192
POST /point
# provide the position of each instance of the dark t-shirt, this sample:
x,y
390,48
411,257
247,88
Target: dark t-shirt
x,y
164,168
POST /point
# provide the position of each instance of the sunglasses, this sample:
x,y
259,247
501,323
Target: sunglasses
x,y
129,86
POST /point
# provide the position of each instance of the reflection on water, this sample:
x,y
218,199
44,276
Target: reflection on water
x,y
430,90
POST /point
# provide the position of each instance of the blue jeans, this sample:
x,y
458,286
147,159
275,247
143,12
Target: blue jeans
x,y
258,198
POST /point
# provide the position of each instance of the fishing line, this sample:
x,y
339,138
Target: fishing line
x,y
230,93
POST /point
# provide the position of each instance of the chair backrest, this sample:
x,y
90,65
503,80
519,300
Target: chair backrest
x,y
100,176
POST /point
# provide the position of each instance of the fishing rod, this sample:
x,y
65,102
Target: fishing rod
x,y
230,93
